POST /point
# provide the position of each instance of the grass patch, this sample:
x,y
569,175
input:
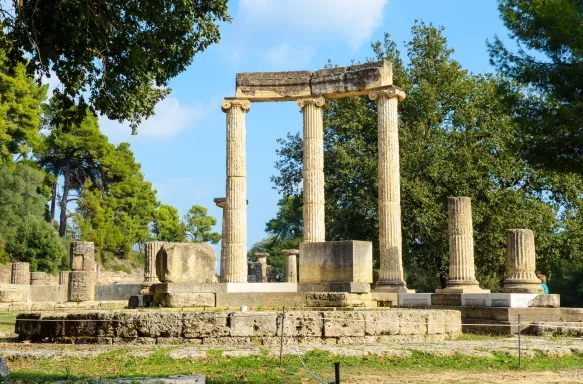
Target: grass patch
x,y
265,369
482,337
7,322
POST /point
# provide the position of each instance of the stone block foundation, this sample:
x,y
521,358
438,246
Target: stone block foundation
x,y
239,328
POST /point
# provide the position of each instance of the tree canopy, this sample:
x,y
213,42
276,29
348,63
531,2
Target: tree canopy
x,y
546,66
115,56
456,139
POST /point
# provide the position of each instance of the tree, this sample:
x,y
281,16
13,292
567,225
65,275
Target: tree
x,y
549,62
198,226
74,152
23,231
166,225
117,214
113,55
456,139
20,101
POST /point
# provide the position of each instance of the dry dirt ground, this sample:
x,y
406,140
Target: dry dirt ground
x,y
464,377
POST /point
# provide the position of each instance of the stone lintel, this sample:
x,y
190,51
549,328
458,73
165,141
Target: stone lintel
x,y
354,80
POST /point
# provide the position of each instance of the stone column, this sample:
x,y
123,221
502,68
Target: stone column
x,y
38,278
462,275
291,266
389,210
234,258
151,249
82,275
521,262
314,216
64,278
20,273
81,286
82,256
262,259
220,202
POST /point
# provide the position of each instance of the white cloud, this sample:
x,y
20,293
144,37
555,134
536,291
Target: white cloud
x,y
285,56
170,120
349,20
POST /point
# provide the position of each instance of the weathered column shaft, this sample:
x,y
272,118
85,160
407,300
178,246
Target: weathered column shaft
x,y
82,256
291,268
313,188
81,286
461,243
234,257
20,273
151,250
521,262
389,208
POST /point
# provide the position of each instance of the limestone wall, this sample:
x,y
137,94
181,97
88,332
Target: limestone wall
x,y
237,328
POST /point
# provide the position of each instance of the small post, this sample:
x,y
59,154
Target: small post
x,y
337,372
519,345
281,339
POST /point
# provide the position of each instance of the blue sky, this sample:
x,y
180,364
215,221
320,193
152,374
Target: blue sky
x,y
182,148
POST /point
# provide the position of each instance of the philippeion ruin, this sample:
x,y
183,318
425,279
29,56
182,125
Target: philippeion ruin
x,y
328,290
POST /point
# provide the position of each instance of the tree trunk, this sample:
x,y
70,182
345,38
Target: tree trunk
x,y
66,185
53,202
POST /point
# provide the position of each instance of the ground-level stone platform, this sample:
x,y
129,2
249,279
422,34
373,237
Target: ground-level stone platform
x,y
66,306
240,328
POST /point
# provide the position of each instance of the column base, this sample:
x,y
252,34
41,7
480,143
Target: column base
x,y
462,289
514,286
391,287
145,290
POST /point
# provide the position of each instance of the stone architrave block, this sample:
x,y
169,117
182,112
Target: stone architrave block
x,y
249,324
186,263
338,324
336,261
354,80
200,324
273,86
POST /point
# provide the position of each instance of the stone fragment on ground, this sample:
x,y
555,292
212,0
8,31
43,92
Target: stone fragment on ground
x,y
3,368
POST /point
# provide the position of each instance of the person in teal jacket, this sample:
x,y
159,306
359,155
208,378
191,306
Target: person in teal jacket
x,y
543,280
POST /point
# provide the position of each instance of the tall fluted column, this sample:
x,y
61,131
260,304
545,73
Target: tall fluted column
x,y
462,275
150,277
521,262
234,257
314,216
291,267
389,211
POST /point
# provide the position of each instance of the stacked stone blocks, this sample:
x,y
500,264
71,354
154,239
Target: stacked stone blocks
x,y
237,328
82,276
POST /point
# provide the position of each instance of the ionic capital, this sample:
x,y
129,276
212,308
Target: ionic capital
x,y
388,92
230,103
317,101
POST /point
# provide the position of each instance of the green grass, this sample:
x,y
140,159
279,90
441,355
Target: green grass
x,y
264,369
7,321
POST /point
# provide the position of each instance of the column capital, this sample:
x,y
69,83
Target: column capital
x,y
389,92
317,101
227,104
291,252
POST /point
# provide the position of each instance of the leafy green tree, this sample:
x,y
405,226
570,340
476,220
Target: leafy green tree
x,y
118,214
456,139
20,101
548,62
75,153
166,225
23,231
113,55
197,226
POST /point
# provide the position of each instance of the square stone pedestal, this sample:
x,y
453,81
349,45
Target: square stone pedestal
x,y
336,262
